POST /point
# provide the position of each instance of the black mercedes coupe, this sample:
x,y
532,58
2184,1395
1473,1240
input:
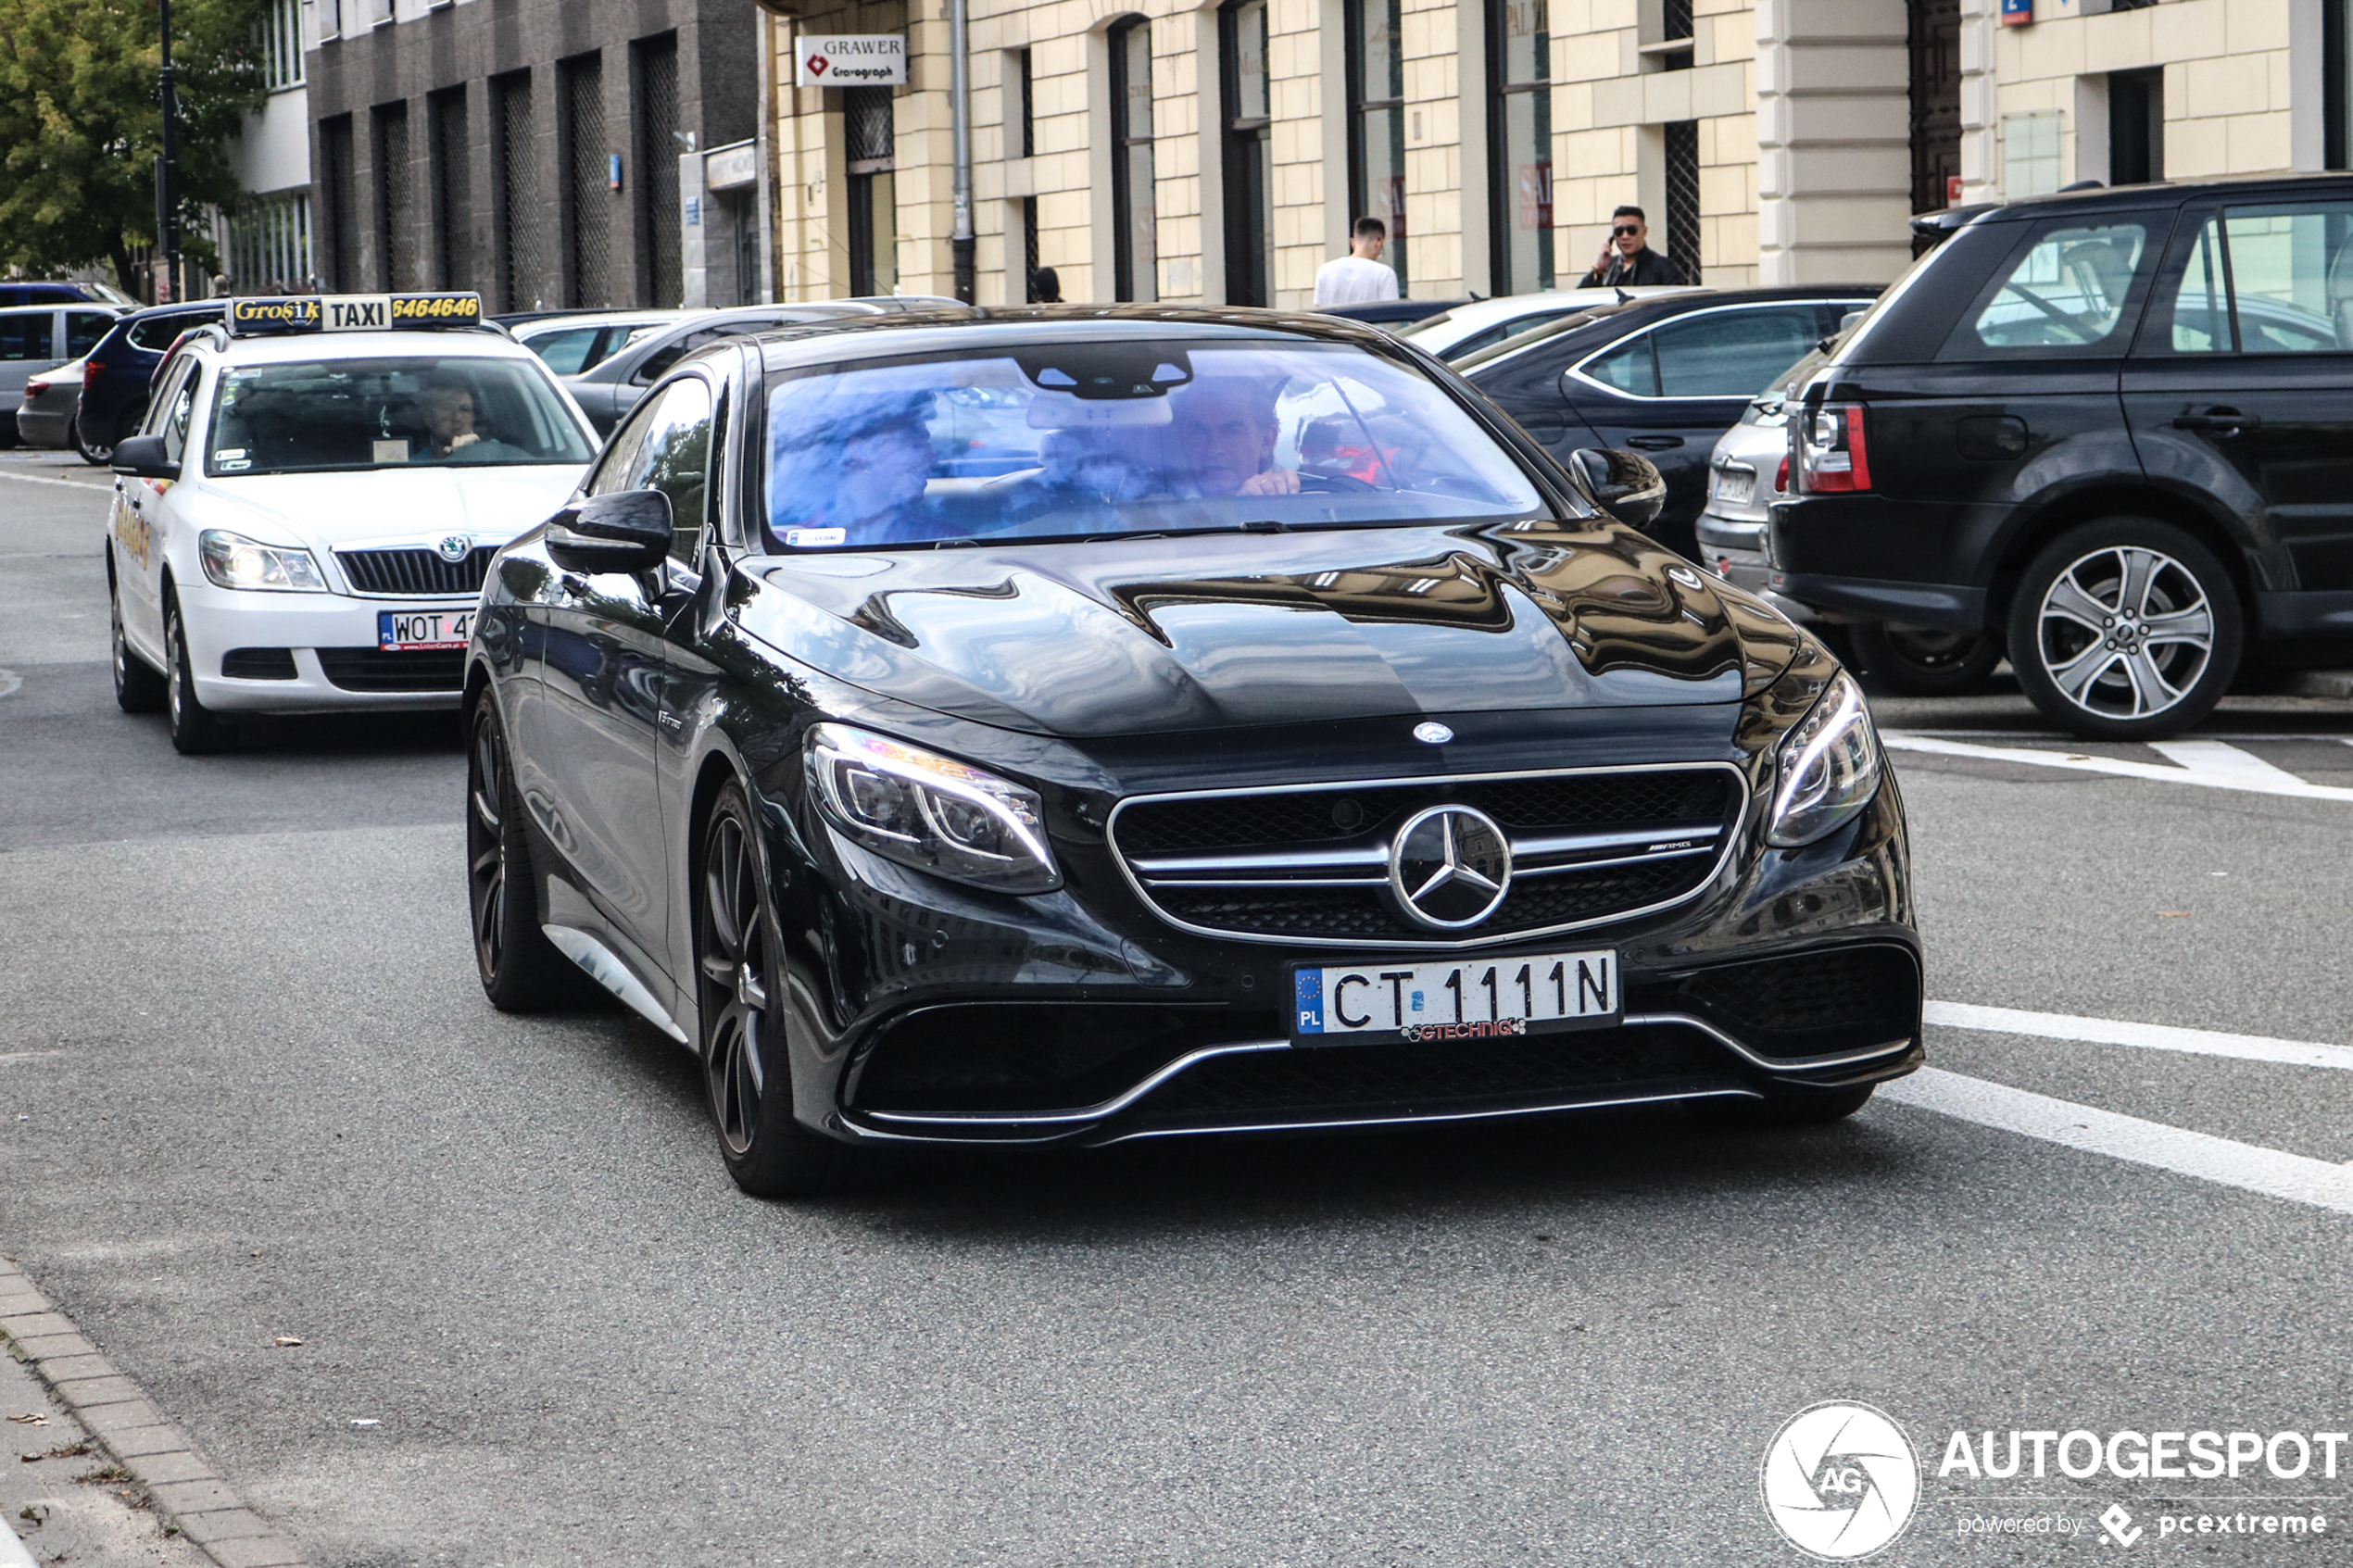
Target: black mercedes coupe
x,y
1083,725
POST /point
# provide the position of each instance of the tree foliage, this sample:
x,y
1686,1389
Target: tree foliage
x,y
81,123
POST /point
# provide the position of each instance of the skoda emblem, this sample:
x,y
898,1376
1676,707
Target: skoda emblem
x,y
1429,731
455,548
1449,867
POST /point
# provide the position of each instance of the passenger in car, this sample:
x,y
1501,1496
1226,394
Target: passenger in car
x,y
1226,428
866,467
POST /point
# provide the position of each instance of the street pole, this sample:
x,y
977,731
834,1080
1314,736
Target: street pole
x,y
960,113
168,171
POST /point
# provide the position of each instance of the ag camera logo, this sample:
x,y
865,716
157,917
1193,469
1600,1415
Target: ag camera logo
x,y
1841,1481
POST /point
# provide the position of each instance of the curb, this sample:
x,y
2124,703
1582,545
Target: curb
x,y
2323,683
182,1484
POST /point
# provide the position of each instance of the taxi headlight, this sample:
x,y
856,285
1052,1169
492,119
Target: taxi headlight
x,y
1827,768
232,560
930,811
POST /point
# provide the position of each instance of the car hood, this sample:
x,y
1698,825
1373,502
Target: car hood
x,y
1149,635
387,506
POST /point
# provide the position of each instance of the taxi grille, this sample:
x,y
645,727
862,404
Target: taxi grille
x,y
372,670
414,572
1312,864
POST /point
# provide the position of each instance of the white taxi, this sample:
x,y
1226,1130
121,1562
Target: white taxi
x,y
304,520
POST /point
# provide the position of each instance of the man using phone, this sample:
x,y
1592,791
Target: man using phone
x,y
1627,258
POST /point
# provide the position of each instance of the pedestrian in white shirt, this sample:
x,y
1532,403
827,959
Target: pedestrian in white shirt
x,y
1361,276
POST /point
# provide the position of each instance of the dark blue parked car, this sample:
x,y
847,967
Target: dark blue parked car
x,y
114,388
57,294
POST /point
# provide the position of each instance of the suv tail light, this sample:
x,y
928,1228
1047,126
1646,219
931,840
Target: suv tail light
x,y
1832,450
91,372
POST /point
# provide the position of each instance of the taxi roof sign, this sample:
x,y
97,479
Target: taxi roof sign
x,y
257,315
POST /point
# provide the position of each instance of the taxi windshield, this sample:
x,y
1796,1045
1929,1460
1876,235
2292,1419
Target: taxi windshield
x,y
317,416
1079,440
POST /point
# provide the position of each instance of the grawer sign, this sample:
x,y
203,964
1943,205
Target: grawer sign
x,y
850,60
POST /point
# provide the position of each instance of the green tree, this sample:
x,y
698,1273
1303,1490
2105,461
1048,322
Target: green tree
x,y
82,124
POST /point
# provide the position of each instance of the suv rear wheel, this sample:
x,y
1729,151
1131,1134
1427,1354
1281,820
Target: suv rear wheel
x,y
1922,661
2125,629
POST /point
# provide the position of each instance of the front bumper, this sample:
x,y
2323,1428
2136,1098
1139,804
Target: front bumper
x,y
1047,1022
319,650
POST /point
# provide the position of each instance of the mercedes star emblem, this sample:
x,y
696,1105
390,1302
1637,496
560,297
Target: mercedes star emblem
x,y
1449,867
1429,731
455,548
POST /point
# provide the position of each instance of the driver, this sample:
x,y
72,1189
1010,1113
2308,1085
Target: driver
x,y
1227,427
447,410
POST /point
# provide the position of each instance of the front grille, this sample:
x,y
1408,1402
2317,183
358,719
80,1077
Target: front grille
x,y
1312,864
259,664
1807,1004
418,572
372,670
1407,1080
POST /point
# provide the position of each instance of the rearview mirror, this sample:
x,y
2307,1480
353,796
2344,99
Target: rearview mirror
x,y
1625,485
144,456
626,530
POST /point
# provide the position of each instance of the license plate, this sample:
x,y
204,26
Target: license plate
x,y
417,631
1732,488
1453,999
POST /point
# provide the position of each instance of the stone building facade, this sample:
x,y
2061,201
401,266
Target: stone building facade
x,y
1217,152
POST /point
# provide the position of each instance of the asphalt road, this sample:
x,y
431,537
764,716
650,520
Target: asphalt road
x,y
249,1087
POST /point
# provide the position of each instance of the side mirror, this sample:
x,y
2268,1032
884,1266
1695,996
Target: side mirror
x,y
1625,485
144,456
626,530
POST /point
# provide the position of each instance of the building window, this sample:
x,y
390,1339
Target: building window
x,y
1933,42
2135,127
1022,129
2336,105
2029,154
1520,53
339,179
587,199
453,251
523,215
1683,196
269,243
1135,251
281,45
1029,249
1675,26
396,206
1377,122
870,146
660,277
1250,185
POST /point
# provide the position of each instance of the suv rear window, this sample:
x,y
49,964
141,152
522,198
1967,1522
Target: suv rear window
x,y
2072,289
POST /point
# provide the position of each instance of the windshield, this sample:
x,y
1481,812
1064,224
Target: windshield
x,y
320,415
1077,440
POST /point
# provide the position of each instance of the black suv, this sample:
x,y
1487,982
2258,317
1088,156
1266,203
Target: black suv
x,y
2109,426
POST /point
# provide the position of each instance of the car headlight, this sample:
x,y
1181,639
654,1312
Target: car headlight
x,y
232,560
930,811
1826,769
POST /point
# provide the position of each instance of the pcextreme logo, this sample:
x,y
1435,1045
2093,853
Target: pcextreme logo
x,y
1841,1481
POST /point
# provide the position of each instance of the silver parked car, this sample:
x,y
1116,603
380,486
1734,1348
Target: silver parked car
x,y
50,400
34,338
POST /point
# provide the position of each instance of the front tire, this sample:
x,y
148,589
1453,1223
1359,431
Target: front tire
x,y
521,970
739,979
195,732
1922,661
137,686
2125,629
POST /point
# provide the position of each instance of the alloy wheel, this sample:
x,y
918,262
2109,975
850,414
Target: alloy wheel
x,y
2125,632
734,962
486,840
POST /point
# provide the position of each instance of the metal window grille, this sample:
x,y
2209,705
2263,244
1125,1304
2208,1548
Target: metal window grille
x,y
1683,196
1674,19
343,209
1029,249
452,189
868,137
522,214
588,201
269,243
661,279
1025,126
395,203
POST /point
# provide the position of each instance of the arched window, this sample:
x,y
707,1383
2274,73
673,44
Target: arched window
x,y
1519,55
1377,123
1136,249
1250,185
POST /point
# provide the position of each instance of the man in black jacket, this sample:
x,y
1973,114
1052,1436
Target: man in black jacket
x,y
1627,258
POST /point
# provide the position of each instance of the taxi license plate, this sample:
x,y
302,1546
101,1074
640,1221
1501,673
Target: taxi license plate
x,y
420,631
1453,999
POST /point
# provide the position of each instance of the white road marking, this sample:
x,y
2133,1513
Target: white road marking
x,y
2223,761
9,681
68,483
2202,1155
2148,1036
2268,781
